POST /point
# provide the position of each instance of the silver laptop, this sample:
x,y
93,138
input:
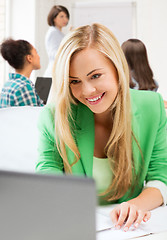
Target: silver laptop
x,y
46,207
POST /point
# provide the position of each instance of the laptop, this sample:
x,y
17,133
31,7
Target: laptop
x,y
46,207
42,86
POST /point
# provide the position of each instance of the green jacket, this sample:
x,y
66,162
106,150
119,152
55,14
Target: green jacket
x,y
148,125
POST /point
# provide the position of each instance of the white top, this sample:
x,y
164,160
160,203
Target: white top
x,y
103,176
52,41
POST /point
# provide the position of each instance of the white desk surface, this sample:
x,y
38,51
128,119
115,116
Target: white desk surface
x,y
156,236
155,228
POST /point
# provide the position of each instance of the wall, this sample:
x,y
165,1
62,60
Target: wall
x,y
152,24
26,19
108,14
41,12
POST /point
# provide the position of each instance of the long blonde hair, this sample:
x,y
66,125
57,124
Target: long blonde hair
x,y
118,148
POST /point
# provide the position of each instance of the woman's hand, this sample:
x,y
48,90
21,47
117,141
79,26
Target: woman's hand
x,y
129,214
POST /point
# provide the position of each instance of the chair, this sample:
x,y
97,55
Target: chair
x,y
19,138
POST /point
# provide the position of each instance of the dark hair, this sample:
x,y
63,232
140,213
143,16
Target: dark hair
x,y
136,56
55,10
14,51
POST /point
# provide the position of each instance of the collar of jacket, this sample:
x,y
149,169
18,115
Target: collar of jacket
x,y
82,125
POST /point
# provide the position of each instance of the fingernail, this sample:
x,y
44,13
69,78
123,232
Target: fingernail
x,y
126,229
136,225
145,219
118,227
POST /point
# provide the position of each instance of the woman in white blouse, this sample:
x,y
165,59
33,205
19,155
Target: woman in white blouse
x,y
58,18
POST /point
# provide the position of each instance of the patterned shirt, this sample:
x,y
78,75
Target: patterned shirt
x,y
19,91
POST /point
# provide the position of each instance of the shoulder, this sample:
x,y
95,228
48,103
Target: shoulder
x,y
49,110
145,97
46,120
50,33
47,114
14,85
146,102
53,31
80,116
24,87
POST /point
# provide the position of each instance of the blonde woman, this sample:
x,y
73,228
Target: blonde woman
x,y
96,127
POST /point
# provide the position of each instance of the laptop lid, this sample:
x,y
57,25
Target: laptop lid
x,y
46,207
42,86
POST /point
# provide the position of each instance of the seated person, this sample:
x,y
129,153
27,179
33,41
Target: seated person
x,y
141,74
19,89
96,126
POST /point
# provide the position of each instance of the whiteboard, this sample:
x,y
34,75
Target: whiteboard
x,y
119,17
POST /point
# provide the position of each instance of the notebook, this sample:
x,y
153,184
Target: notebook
x,y
46,207
42,86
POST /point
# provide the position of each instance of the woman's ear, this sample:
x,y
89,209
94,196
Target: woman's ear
x,y
29,58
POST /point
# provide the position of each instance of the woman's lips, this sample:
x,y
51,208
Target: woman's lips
x,y
95,100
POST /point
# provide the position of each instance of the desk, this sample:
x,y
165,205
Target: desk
x,y
156,236
155,228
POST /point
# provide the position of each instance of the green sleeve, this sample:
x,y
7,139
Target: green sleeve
x,y
49,160
157,169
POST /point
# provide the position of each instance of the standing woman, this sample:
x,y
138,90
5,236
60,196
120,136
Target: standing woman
x,y
19,89
140,71
58,18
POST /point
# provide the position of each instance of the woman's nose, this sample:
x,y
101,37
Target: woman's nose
x,y
88,89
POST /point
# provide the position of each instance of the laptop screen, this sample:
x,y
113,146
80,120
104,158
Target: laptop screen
x,y
40,207
42,86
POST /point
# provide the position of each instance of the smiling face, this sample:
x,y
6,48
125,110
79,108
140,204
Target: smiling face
x,y
93,80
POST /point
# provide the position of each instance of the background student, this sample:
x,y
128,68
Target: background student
x,y
19,89
141,74
96,126
58,18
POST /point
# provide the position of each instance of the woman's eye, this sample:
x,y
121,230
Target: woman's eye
x,y
74,81
96,76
